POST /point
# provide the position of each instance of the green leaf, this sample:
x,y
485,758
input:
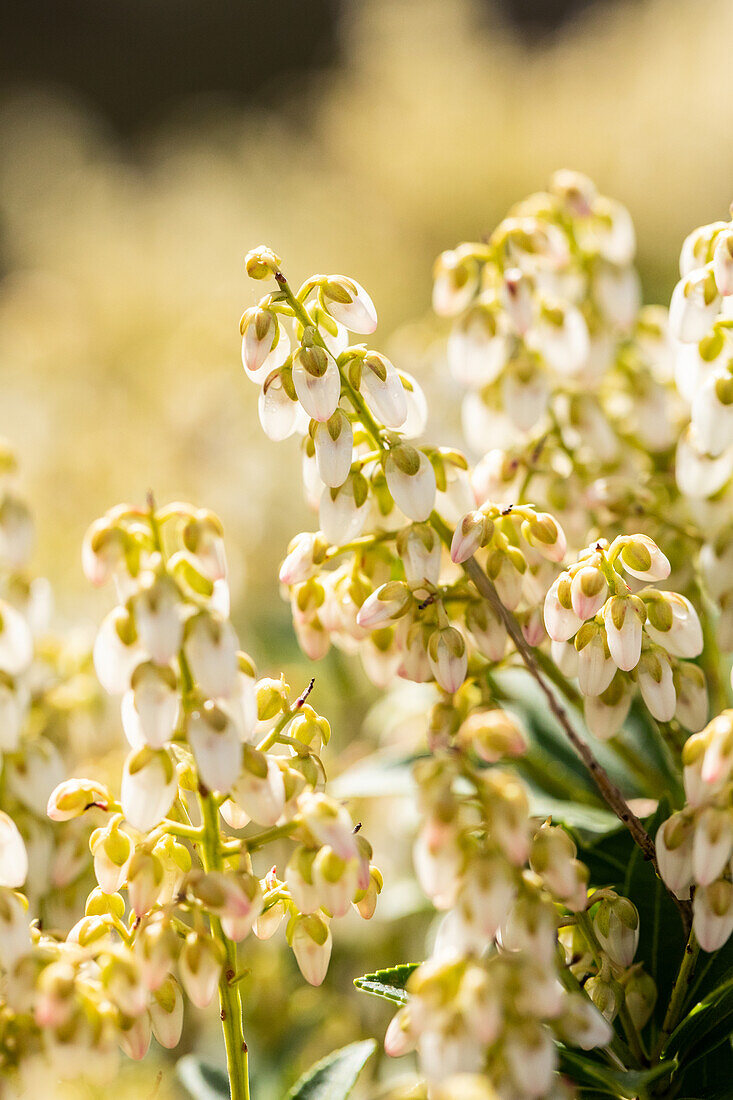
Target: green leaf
x,y
201,1081
629,1084
389,983
334,1076
708,1025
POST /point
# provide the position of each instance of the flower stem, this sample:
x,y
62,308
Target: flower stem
x,y
230,1001
679,993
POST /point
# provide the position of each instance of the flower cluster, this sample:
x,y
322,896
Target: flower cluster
x,y
209,744
540,307
700,321
495,994
624,637
695,845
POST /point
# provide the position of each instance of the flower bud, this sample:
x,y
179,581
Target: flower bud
x,y
622,618
343,512
544,533
616,924
144,880
456,281
694,306
216,747
158,609
674,853
329,823
366,900
112,850
72,797
309,727
448,658
317,381
712,844
640,992
310,938
334,441
277,407
641,557
561,622
259,789
390,601
532,1059
588,592
691,710
683,636
265,343
492,734
150,707
487,630
411,481
385,394
166,1013
723,263
596,669
13,857
656,684
149,787
473,532
261,262
211,649
604,997
349,304
606,713
582,1024
199,966
135,1038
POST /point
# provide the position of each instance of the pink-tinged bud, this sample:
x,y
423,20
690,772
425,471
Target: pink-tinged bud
x,y
616,924
199,967
211,648
366,900
135,1040
596,669
712,844
216,747
561,622
299,879
317,382
448,658
420,551
507,574
532,1059
144,881
149,786
456,281
336,881
259,788
623,622
158,617
553,857
13,857
517,299
588,592
385,394
329,822
269,921
265,343
349,304
713,914
411,481
493,734
683,637
487,630
473,532
694,306
656,684
438,862
400,1037
544,534
166,1014
717,762
72,797
311,941
305,552
343,512
334,441
533,626
150,708
390,601
565,656
277,410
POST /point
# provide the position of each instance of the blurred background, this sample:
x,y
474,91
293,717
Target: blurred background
x,y
148,144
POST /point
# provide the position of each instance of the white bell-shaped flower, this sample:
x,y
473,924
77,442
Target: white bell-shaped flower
x,y
343,512
349,304
158,611
713,914
673,842
525,394
317,382
15,939
683,636
623,623
16,641
417,407
723,263
691,710
477,351
211,647
487,630
411,481
694,306
265,344
199,968
712,413
150,708
420,551
456,280
606,713
656,684
334,442
712,844
382,387
166,1013
278,411
149,787
561,337
259,788
516,296
311,941
641,557
700,475
117,652
588,592
532,1059
216,747
596,667
13,856
561,622
618,293
448,658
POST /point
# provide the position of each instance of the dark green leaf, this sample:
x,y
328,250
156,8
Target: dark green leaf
x,y
389,983
334,1076
201,1081
708,1025
629,1084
